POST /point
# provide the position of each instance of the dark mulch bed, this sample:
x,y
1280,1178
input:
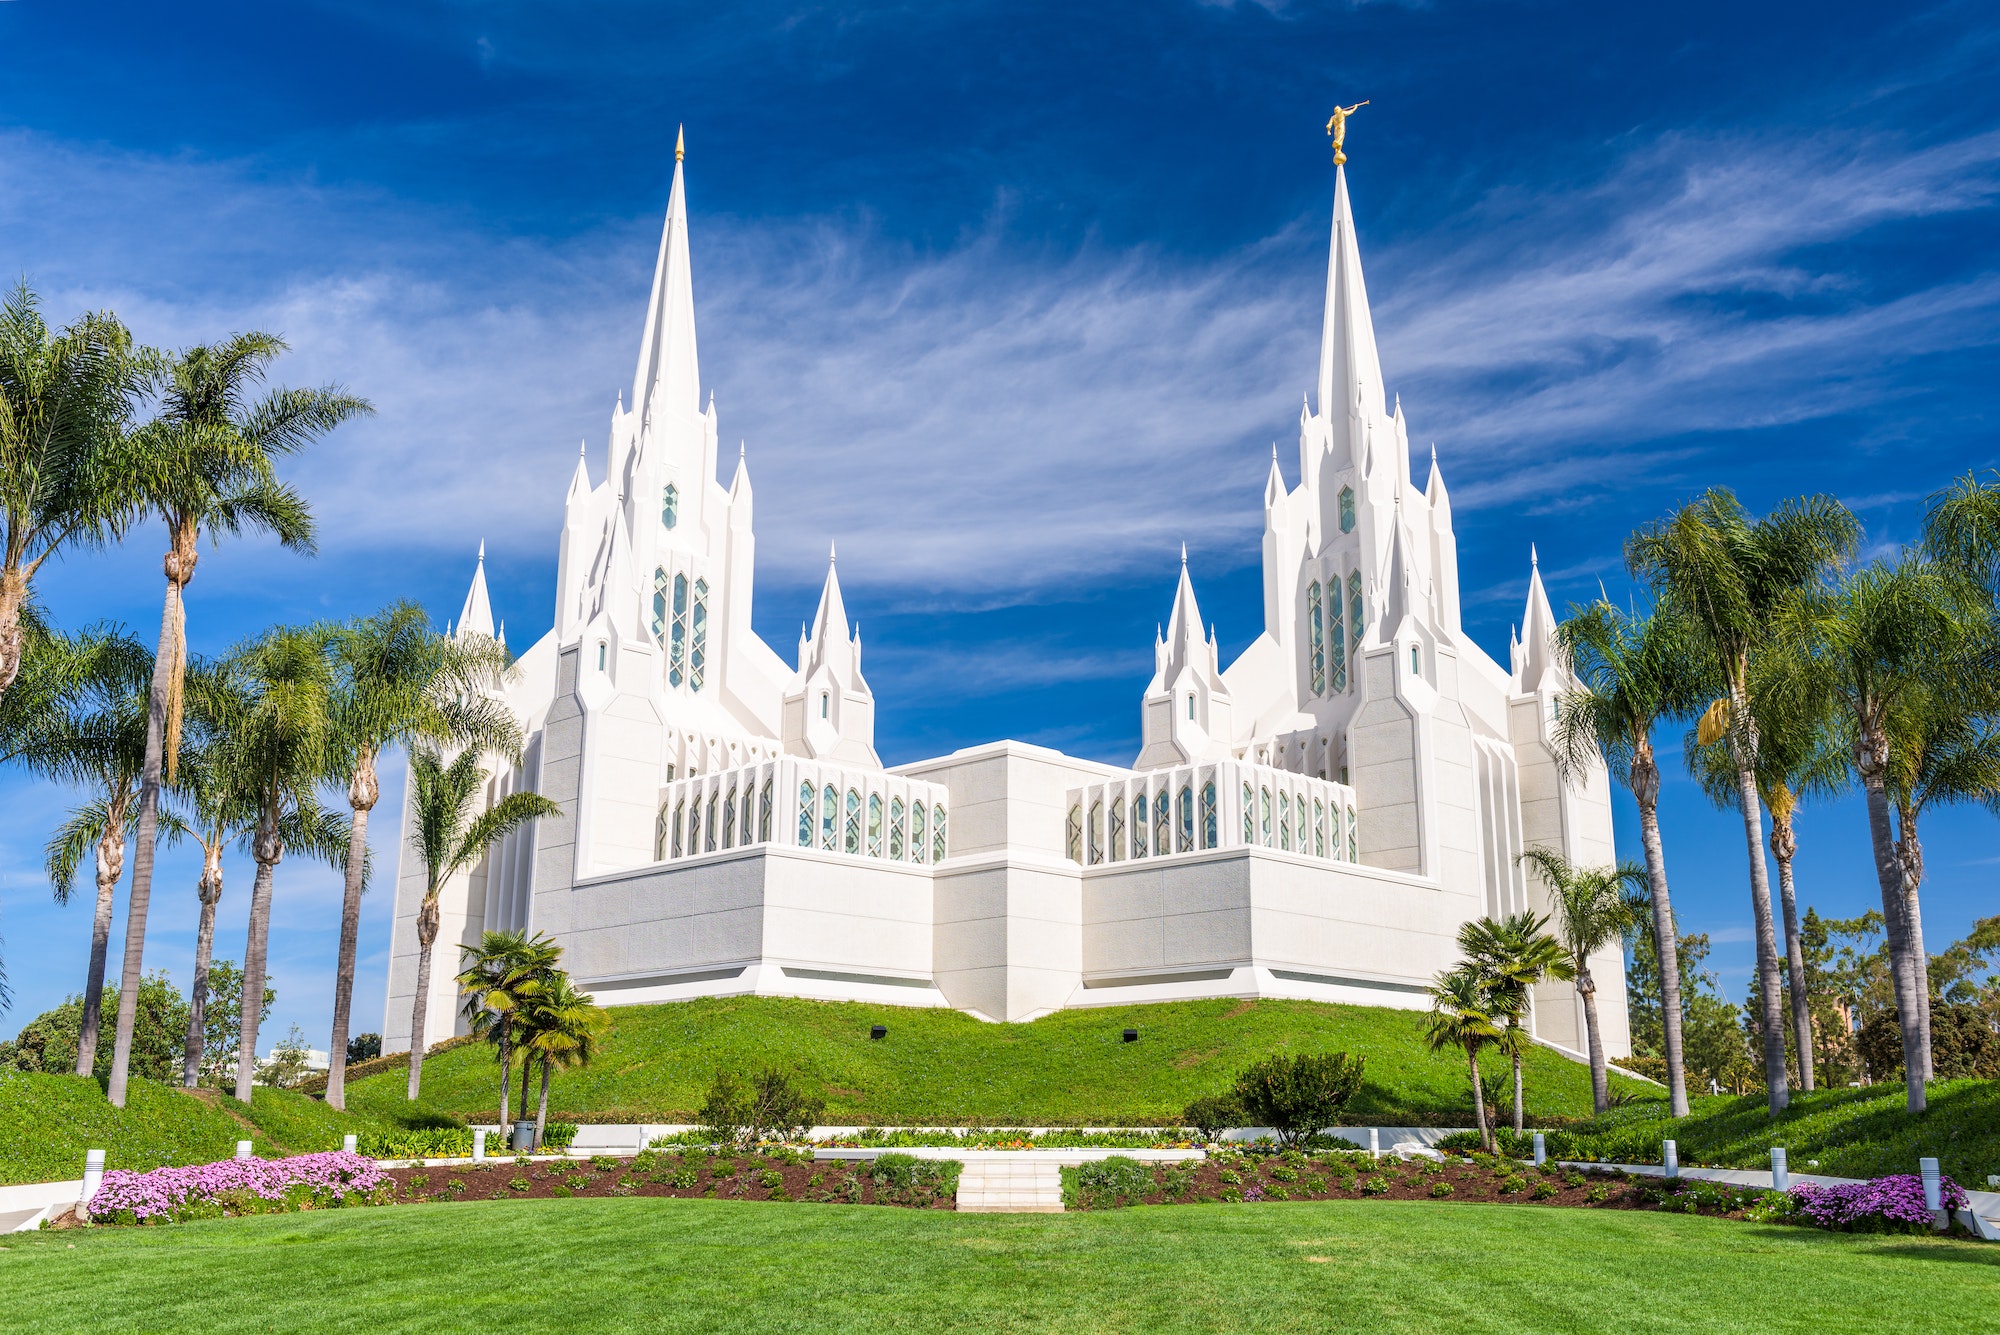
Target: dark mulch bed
x,y
1344,1176
926,1184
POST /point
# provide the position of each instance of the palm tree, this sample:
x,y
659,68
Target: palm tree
x,y
1962,530
399,682
449,837
217,804
282,754
1801,754
505,972
1462,1016
65,402
207,463
1727,575
1592,909
559,1030
91,732
1633,672
1509,957
1866,649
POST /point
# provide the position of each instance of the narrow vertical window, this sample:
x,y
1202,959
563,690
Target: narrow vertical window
x,y
1118,828
937,833
829,815
825,703
670,506
680,815
916,831
1357,619
1316,636
698,659
1347,509
1416,661
1073,833
600,656
764,814
1249,815
729,819
1185,842
1353,844
1336,635
805,815
1284,821
677,642
1319,828
1209,832
749,814
1190,706
708,843
1163,824
852,840
1264,814
874,825
1333,819
660,585
895,829
1096,832
1139,825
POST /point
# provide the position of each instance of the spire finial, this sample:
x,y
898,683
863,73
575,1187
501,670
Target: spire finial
x,y
1434,451
741,446
1534,561
829,551
680,143
482,551
1184,555
581,446
1337,127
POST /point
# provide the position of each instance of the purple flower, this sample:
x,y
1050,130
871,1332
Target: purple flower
x,y
1253,1193
166,1194
1893,1202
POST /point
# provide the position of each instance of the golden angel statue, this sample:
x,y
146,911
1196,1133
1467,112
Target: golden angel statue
x,y
1337,127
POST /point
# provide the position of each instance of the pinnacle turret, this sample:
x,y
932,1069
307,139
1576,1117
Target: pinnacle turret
x,y
669,373
1350,372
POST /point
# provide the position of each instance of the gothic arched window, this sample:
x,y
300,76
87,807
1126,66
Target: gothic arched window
x,y
1249,815
852,842
1264,814
1316,637
1096,832
1352,842
805,815
708,843
1333,820
937,833
764,815
1336,635
829,813
1357,612
1209,832
1138,826
680,815
1163,839
660,608
895,829
874,825
729,819
1186,839
916,831
1073,833
670,506
1284,820
1347,509
677,645
1118,830
699,657
1319,828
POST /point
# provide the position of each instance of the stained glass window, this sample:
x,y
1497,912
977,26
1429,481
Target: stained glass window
x,y
1186,839
1319,828
1316,635
670,506
699,658
1352,854
660,586
1118,829
895,829
1336,635
677,647
1347,509
1163,819
680,814
1284,820
916,831
729,820
764,814
1208,819
708,843
1249,815
874,825
829,812
937,834
1096,833
1333,819
1357,619
805,815
852,842
1073,833
1138,827
1264,812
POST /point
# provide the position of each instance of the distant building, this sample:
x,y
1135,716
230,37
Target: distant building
x,y
1315,820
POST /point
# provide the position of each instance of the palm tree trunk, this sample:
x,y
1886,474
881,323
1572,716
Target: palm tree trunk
x,y
148,833
1666,942
1600,1080
1777,1086
1889,875
506,1070
427,929
13,594
1479,1101
542,1108
111,862
1518,1125
267,850
210,890
1784,846
361,796
527,1070
1910,856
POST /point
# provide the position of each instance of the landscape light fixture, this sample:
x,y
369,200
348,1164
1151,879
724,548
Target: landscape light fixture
x,y
1131,1035
878,1031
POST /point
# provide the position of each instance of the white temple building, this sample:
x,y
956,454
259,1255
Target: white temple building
x,y
1315,820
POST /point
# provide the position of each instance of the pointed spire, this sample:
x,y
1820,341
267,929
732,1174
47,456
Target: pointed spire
x,y
680,143
668,368
1349,370
1435,493
1274,483
476,617
1538,630
739,485
1182,636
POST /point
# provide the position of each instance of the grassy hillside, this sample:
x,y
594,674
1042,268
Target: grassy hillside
x,y
1852,1132
940,1067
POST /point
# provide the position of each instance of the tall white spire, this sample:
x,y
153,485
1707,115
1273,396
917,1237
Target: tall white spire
x,y
1350,373
476,617
1536,658
669,375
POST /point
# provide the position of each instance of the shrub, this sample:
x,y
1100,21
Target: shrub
x,y
1213,1114
558,1135
1441,1189
1298,1096
768,1107
1544,1190
1114,1180
239,1186
905,1178
1375,1186
415,1142
771,1178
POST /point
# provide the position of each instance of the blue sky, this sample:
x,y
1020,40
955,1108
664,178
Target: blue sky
x,y
1012,300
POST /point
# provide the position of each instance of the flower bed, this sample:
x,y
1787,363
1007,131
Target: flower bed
x,y
1893,1204
767,1175
1006,1138
239,1186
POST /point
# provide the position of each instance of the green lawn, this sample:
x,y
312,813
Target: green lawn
x,y
660,1265
944,1067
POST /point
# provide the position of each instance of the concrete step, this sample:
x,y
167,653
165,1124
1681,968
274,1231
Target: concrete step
x,y
1010,1186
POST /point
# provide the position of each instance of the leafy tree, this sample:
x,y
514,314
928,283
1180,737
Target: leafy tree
x,y
222,1019
399,681
1633,672
1593,907
1298,1096
449,837
1727,575
290,1060
1213,1114
50,1042
207,463
65,404
1509,957
364,1047
559,1028
768,1106
1462,1016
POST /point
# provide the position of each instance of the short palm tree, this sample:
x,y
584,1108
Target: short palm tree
x,y
1867,648
1727,575
1802,753
1593,906
451,835
65,403
1509,957
501,976
1633,672
91,732
207,463
399,681
559,1030
1463,1016
282,752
